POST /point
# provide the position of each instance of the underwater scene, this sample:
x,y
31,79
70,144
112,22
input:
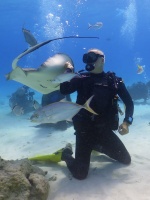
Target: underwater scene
x,y
74,100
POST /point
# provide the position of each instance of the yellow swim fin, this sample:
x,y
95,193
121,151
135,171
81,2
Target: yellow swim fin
x,y
54,157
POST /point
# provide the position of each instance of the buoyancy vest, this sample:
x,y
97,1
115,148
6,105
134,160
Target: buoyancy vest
x,y
106,99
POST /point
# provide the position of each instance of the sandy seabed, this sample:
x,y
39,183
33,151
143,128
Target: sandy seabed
x,y
107,179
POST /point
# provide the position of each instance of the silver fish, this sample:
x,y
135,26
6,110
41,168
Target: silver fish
x,y
59,111
98,25
64,77
30,39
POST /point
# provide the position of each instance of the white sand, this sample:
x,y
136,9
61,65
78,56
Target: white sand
x,y
107,180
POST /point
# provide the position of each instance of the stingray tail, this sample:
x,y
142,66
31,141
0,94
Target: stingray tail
x,y
38,45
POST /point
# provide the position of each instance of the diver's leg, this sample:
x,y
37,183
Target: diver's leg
x,y
112,146
80,165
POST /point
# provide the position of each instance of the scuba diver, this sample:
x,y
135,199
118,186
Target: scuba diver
x,y
22,101
96,132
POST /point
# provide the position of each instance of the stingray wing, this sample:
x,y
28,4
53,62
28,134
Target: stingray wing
x,y
39,80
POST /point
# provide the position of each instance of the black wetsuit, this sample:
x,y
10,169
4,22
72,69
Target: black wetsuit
x,y
95,132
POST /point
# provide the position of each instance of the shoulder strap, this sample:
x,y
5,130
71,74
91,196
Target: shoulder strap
x,y
113,80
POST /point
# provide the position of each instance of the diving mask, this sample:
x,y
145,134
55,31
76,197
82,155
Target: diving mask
x,y
89,59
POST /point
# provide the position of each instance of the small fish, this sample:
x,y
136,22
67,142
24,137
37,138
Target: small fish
x,y
36,105
30,39
59,111
140,69
98,25
64,77
18,110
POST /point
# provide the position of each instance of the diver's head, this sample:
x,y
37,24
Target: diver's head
x,y
94,60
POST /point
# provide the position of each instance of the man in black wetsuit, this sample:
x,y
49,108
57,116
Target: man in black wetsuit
x,y
95,132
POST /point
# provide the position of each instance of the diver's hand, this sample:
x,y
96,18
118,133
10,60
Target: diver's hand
x,y
68,66
124,128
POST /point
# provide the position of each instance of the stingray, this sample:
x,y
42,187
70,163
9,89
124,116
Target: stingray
x,y
40,79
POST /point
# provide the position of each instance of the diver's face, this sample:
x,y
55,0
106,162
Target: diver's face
x,y
94,61
98,66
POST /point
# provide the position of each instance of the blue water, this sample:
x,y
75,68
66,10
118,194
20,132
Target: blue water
x,y
124,37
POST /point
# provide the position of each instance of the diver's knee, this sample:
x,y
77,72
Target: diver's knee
x,y
127,160
80,176
80,173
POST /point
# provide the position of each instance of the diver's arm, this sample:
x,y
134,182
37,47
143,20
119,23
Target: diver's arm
x,y
69,87
127,100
